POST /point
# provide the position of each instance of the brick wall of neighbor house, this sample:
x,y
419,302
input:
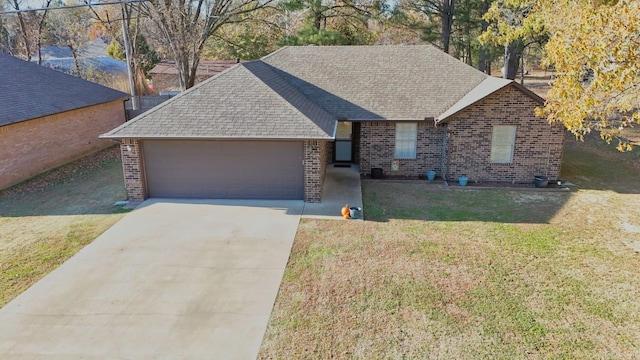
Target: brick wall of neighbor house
x,y
31,147
538,145
377,149
315,165
171,82
133,170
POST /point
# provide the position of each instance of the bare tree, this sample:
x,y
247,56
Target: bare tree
x,y
41,25
69,28
183,27
22,24
29,26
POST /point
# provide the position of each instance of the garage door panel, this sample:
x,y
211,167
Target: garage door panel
x,y
224,169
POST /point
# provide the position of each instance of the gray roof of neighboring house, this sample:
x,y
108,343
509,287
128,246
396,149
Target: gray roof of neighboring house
x,y
300,92
29,91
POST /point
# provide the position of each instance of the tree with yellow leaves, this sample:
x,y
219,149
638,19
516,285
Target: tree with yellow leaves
x,y
513,24
595,48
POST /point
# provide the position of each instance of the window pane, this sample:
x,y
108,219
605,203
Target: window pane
x,y
502,144
406,140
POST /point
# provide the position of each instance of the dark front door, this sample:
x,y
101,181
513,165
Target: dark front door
x,y
343,151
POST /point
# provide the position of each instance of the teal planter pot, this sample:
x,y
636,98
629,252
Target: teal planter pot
x,y
462,180
431,175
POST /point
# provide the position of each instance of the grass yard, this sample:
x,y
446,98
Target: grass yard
x,y
46,220
468,274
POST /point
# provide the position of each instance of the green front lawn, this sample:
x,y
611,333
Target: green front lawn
x,y
467,274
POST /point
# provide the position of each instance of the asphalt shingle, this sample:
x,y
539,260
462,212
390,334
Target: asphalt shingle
x,y
378,82
248,100
301,92
29,91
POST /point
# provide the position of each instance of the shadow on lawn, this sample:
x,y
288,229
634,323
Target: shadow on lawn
x,y
384,201
90,185
590,165
596,165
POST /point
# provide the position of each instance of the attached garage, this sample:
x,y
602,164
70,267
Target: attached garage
x,y
246,133
224,169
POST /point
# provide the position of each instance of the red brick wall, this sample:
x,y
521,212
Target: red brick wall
x,y
134,180
31,147
315,165
538,146
171,82
377,149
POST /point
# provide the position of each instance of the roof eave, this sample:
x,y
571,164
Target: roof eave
x,y
531,94
426,118
227,138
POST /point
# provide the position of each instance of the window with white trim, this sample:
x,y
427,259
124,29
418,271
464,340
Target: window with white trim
x,y
406,140
503,141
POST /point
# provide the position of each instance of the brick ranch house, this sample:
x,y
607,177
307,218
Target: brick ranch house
x,y
48,118
268,128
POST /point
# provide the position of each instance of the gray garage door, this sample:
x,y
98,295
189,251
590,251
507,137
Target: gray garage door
x,y
224,169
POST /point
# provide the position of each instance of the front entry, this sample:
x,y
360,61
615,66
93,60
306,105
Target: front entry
x,y
343,144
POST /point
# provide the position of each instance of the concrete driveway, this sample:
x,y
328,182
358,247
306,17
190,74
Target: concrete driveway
x,y
171,280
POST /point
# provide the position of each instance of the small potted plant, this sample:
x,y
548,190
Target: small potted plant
x,y
462,180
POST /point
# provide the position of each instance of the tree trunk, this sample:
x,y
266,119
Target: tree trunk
x,y
183,71
482,61
23,30
522,69
76,62
512,54
194,68
40,26
448,7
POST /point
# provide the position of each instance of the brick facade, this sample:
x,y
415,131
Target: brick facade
x,y
134,181
31,147
459,146
315,165
330,147
376,149
538,145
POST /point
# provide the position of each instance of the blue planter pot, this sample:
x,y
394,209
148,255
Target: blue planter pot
x,y
431,175
462,180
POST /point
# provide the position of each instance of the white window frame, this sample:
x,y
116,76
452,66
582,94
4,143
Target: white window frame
x,y
503,143
406,143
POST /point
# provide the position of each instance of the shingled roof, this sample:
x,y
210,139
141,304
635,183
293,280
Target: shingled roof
x,y
300,93
29,91
378,82
247,101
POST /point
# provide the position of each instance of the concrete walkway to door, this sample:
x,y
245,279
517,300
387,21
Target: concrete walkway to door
x,y
171,280
341,187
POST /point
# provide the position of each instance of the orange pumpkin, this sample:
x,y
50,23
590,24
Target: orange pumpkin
x,y
345,211
346,216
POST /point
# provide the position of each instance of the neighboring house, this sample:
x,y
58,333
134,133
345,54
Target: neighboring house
x,y
165,78
48,118
93,60
267,128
